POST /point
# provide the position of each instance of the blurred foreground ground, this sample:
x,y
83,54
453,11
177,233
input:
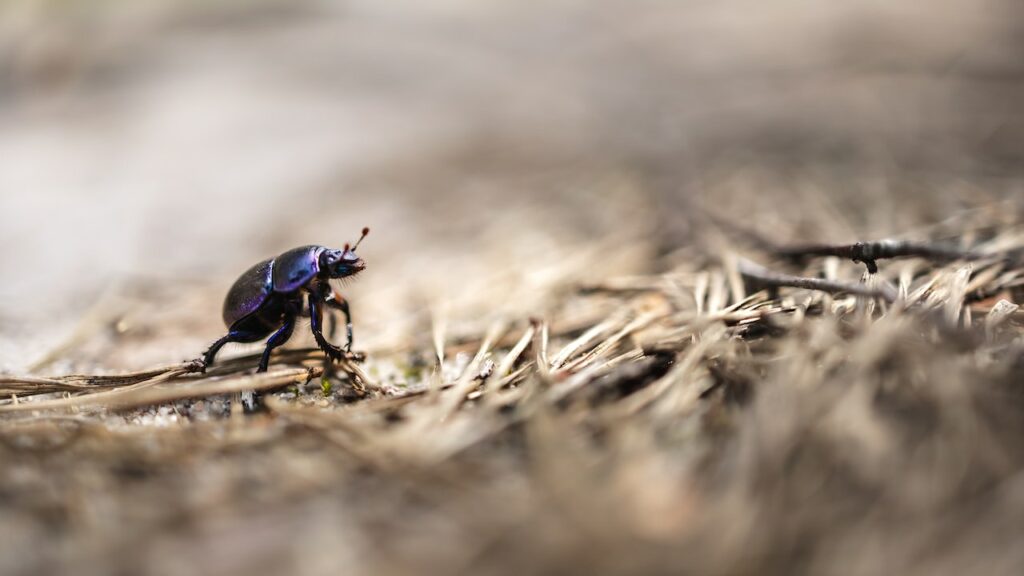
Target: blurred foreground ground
x,y
583,165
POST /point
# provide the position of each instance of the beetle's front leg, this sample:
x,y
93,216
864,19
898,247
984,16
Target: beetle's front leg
x,y
316,316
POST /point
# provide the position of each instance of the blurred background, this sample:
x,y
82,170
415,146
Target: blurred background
x,y
172,144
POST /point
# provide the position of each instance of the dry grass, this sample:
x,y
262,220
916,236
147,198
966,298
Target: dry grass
x,y
685,421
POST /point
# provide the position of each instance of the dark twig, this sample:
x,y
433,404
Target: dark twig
x,y
770,278
866,252
869,252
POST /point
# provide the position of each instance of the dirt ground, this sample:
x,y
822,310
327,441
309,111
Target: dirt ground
x,y
585,353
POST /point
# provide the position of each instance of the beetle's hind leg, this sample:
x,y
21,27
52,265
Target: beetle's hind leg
x,y
232,336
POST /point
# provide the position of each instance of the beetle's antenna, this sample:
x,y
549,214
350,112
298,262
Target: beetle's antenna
x,y
365,232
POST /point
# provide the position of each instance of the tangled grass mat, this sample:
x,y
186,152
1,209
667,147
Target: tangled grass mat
x,y
765,409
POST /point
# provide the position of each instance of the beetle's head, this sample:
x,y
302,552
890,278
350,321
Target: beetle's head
x,y
344,262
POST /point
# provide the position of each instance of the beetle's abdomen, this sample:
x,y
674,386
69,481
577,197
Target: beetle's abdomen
x,y
296,267
249,292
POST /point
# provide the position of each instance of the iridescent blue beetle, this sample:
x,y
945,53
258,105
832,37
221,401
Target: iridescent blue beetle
x,y
268,298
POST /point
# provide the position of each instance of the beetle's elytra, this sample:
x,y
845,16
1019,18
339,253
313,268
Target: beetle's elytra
x,y
267,299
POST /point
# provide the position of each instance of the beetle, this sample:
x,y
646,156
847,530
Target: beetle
x,y
267,299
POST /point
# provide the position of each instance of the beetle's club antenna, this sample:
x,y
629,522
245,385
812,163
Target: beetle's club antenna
x,y
365,232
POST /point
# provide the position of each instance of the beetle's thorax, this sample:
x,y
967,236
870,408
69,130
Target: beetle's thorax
x,y
296,267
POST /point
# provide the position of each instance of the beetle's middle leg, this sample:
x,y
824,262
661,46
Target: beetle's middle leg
x,y
316,316
280,337
251,399
332,325
337,302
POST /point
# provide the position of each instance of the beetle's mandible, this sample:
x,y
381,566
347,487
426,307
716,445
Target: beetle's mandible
x,y
268,299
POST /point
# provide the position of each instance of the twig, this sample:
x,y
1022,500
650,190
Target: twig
x,y
148,392
34,385
869,252
866,252
775,279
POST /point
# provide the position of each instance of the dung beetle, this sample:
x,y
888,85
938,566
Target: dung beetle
x,y
267,299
